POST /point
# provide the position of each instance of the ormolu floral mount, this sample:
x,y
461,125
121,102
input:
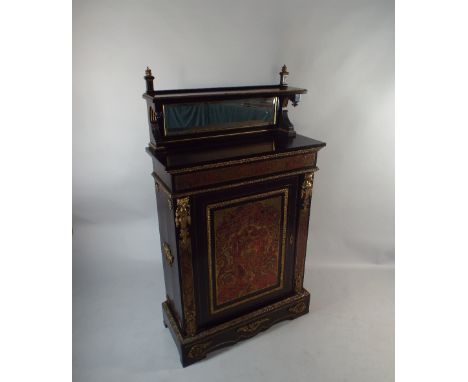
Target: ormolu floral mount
x,y
233,190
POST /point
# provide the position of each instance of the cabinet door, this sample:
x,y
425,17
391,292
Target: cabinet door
x,y
244,248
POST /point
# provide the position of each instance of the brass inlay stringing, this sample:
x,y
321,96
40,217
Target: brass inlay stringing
x,y
298,278
167,254
298,273
253,326
211,137
276,102
306,192
219,127
245,160
165,188
284,193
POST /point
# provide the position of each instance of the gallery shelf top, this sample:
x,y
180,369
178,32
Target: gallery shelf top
x,y
225,92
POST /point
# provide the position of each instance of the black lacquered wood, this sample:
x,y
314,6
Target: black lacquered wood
x,y
207,169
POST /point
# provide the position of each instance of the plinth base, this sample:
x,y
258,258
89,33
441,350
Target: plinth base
x,y
195,348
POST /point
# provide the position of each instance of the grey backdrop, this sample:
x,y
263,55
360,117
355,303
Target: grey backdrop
x,y
343,53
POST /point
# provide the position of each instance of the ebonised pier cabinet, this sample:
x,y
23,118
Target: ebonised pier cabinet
x,y
233,188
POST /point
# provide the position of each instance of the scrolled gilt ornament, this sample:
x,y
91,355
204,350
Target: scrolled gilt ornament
x,y
153,115
198,350
183,221
306,190
298,308
167,254
253,326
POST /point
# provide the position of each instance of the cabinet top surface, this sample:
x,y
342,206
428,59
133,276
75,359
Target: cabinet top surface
x,y
181,94
199,154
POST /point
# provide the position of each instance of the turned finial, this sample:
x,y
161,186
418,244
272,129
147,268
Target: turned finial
x,y
149,80
284,76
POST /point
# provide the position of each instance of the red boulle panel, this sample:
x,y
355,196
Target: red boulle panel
x,y
246,248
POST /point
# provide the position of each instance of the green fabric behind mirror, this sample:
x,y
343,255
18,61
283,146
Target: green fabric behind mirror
x,y
205,116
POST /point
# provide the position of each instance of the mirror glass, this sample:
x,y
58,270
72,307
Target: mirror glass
x,y
189,118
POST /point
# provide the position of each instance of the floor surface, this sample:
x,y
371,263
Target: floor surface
x,y
118,334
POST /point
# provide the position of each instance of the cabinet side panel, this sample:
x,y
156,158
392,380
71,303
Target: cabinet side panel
x,y
161,173
302,230
170,260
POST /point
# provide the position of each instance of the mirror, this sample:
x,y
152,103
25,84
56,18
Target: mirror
x,y
189,118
